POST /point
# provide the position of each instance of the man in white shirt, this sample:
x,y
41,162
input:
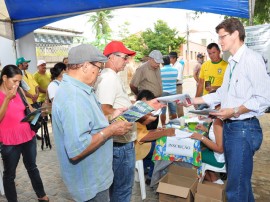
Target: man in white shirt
x,y
180,68
244,95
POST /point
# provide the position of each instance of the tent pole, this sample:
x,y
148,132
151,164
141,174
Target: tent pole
x,y
251,11
13,39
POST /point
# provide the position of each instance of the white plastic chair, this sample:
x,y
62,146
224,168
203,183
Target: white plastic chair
x,y
139,177
1,178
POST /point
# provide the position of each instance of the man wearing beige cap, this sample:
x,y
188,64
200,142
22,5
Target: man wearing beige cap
x,y
43,79
81,131
147,76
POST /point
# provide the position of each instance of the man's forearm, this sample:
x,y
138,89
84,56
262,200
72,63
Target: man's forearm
x,y
134,89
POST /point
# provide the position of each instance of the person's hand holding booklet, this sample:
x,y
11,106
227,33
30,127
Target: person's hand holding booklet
x,y
181,99
135,112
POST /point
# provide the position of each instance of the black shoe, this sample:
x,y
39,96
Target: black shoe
x,y
148,182
223,176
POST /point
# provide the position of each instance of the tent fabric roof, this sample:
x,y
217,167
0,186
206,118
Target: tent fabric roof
x,y
29,15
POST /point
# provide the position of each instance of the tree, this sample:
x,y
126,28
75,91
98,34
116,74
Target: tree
x,y
162,38
101,27
261,12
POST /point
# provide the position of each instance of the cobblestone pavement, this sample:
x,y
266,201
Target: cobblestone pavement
x,y
56,190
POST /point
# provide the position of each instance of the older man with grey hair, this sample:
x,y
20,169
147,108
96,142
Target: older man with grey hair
x,y
81,131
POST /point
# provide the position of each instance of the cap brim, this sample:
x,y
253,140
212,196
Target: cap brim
x,y
159,60
27,61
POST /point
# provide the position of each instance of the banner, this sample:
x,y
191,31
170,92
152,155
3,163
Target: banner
x,y
258,39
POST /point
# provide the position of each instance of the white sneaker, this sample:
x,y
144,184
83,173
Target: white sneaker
x,y
219,181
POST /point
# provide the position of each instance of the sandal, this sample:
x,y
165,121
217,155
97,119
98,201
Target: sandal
x,y
44,200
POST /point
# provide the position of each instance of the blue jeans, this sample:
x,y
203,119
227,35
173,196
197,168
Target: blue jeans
x,y
171,105
11,156
147,161
123,169
101,196
241,140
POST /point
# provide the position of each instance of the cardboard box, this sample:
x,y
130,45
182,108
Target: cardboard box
x,y
179,184
210,192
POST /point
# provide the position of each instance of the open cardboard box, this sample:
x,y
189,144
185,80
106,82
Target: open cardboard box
x,y
179,184
210,192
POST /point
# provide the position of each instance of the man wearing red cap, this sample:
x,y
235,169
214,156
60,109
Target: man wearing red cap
x,y
112,95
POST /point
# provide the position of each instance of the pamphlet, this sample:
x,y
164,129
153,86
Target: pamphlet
x,y
203,111
33,116
178,99
135,112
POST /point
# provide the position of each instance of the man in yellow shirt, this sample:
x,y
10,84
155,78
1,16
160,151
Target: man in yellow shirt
x,y
212,71
43,79
32,91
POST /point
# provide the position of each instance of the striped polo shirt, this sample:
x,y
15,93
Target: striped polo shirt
x,y
169,79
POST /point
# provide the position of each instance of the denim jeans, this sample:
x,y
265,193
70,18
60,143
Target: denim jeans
x,y
11,156
241,140
171,105
101,196
123,169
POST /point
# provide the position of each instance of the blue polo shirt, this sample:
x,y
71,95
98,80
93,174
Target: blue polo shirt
x,y
77,115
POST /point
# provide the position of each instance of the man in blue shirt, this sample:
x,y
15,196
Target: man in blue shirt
x,y
169,78
81,131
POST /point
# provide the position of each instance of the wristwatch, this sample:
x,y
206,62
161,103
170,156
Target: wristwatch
x,y
236,113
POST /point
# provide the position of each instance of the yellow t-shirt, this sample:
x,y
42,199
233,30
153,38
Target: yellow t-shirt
x,y
43,81
213,72
31,82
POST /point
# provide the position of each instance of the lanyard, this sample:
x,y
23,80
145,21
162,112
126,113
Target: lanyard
x,y
231,72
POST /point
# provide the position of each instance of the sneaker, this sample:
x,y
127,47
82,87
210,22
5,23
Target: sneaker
x,y
219,181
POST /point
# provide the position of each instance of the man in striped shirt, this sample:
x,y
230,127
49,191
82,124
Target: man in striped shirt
x,y
169,79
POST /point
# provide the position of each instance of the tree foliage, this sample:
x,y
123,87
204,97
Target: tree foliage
x,y
162,38
101,27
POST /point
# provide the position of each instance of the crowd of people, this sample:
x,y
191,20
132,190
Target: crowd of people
x,y
96,154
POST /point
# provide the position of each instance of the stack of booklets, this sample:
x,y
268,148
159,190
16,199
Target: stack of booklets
x,y
178,99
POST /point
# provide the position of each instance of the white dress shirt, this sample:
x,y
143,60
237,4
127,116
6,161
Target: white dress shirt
x,y
245,82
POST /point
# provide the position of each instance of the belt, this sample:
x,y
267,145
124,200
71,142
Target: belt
x,y
247,119
118,144
179,84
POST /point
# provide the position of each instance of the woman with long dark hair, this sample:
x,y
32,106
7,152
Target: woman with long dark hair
x,y
16,136
56,76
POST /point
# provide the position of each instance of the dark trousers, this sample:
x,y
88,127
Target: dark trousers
x,y
11,156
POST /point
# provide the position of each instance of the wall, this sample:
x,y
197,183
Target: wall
x,y
7,52
26,48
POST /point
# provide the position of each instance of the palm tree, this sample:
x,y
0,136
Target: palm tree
x,y
101,26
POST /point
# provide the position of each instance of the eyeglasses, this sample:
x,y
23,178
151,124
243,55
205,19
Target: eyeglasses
x,y
100,68
123,57
223,36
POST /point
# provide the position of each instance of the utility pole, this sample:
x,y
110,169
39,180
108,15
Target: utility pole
x,y
187,55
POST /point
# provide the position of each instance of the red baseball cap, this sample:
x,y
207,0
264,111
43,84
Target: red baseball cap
x,y
117,46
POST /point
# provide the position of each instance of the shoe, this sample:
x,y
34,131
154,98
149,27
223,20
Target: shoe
x,y
44,200
219,181
148,182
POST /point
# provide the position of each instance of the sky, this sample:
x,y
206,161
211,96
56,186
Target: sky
x,y
143,18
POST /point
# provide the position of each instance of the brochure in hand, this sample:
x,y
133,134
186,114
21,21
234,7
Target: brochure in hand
x,y
135,112
204,112
179,98
33,116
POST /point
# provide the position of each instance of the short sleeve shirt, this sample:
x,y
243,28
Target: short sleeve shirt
x,y
213,72
43,81
148,78
77,116
110,90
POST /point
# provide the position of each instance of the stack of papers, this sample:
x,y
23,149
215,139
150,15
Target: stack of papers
x,y
204,112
